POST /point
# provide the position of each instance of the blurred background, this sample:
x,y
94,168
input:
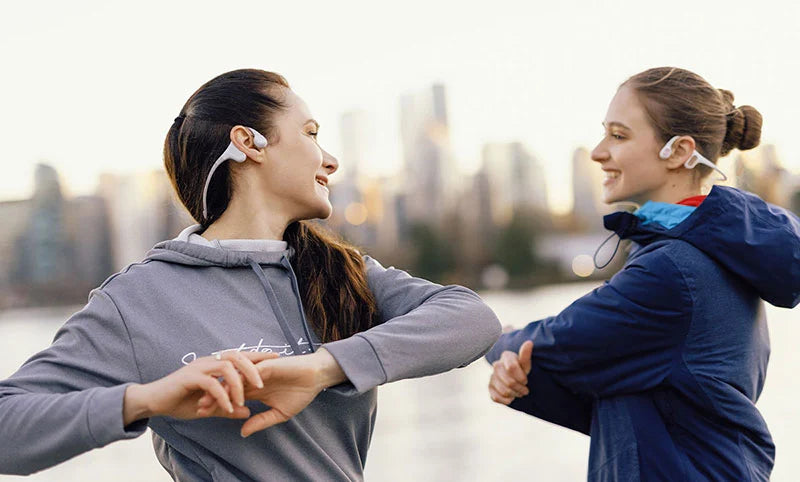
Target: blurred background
x,y
463,136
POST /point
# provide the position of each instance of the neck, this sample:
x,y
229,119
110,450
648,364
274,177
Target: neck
x,y
249,216
673,191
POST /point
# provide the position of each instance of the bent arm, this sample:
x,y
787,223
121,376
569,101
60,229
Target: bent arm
x,y
68,399
426,329
621,338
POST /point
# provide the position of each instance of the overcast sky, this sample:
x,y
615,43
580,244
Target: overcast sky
x,y
92,87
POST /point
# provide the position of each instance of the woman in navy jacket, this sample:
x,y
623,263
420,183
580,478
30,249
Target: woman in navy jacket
x,y
663,364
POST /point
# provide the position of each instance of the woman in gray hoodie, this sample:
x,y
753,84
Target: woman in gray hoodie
x,y
251,314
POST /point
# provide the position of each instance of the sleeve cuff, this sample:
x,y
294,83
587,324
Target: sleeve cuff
x,y
104,417
359,362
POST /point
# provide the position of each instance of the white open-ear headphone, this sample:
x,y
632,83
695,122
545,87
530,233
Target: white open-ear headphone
x,y
666,151
231,153
695,159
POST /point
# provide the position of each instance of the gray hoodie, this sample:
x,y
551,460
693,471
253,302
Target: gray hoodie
x,y
185,301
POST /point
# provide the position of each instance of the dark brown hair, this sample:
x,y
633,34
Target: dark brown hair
x,y
331,274
681,103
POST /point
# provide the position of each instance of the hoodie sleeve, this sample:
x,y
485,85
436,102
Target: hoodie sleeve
x,y
622,337
68,399
426,329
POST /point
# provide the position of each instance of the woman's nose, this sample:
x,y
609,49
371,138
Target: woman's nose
x,y
599,153
329,162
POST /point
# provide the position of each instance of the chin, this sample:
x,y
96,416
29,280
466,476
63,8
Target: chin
x,y
321,211
609,197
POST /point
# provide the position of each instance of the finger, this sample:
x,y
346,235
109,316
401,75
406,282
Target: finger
x,y
497,398
502,389
513,367
214,387
506,379
263,420
256,357
206,400
246,366
525,353
233,380
216,411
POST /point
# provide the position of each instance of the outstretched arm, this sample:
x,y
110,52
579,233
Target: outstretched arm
x,y
426,329
622,337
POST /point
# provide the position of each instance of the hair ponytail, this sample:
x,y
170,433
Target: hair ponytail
x,y
331,274
681,103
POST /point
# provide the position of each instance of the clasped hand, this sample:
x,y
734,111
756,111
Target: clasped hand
x,y
509,378
289,385
218,387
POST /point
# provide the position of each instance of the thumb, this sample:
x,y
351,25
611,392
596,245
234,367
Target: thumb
x,y
525,352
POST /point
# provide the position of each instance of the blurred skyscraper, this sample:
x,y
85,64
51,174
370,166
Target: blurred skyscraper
x,y
515,182
53,250
431,177
587,207
761,172
143,212
43,251
353,216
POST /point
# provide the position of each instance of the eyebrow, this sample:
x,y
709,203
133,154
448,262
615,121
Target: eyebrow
x,y
313,121
616,124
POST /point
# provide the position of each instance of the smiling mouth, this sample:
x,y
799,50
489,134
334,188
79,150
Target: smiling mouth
x,y
323,184
611,176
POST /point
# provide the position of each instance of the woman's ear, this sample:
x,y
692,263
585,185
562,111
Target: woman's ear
x,y
682,150
243,139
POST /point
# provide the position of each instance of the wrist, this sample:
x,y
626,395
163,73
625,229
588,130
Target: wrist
x,y
328,371
135,404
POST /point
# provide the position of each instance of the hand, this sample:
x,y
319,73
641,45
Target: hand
x,y
510,376
290,384
177,394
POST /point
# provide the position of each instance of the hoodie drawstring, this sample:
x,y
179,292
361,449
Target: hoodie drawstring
x,y
286,264
273,300
597,251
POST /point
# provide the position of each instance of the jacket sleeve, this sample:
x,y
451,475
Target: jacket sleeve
x,y
554,403
425,329
68,399
622,337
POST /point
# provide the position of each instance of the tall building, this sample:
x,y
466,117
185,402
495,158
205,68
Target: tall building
x,y
88,226
143,211
53,250
515,181
587,207
350,212
15,215
356,135
431,179
43,251
761,172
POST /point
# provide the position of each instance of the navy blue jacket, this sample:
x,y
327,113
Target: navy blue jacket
x,y
662,365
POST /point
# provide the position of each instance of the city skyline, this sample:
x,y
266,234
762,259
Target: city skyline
x,y
516,72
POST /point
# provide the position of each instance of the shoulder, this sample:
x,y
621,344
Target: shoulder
x,y
671,254
656,275
147,274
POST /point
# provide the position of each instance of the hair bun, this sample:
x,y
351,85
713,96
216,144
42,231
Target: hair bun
x,y
743,126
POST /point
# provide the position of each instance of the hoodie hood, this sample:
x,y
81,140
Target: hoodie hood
x,y
755,240
181,251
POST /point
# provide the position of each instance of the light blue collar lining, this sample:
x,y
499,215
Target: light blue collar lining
x,y
664,214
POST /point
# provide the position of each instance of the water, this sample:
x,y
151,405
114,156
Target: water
x,y
445,427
